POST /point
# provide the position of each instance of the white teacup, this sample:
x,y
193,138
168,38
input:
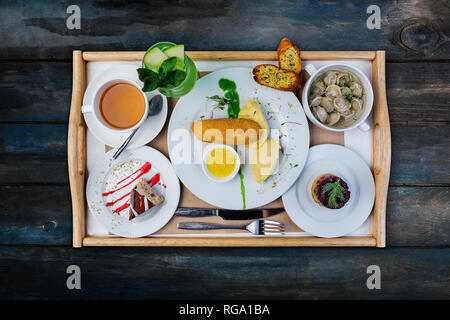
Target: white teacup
x,y
361,123
94,108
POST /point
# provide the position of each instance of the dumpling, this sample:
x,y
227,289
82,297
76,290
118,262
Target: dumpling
x,y
318,88
340,104
327,104
346,91
357,104
333,118
333,91
343,80
320,114
330,78
315,102
356,89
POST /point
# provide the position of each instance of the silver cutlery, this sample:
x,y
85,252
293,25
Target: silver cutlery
x,y
154,107
257,227
225,214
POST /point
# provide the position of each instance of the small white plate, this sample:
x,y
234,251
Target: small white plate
x,y
321,221
106,177
282,110
150,128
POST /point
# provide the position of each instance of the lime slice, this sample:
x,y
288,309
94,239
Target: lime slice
x,y
176,51
154,58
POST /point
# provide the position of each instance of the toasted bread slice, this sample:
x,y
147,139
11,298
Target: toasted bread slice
x,y
289,56
271,76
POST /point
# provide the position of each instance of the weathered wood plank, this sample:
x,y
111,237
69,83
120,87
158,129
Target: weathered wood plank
x,y
418,91
418,216
420,154
35,215
409,29
415,91
39,214
35,91
31,153
224,273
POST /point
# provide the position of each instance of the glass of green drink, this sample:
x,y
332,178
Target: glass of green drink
x,y
153,59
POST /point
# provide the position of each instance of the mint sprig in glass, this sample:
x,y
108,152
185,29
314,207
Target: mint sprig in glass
x,y
167,68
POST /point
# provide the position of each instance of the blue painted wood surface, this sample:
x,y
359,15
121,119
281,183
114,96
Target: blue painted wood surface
x,y
409,29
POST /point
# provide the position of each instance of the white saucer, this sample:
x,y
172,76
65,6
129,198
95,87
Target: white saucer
x,y
321,221
149,129
109,173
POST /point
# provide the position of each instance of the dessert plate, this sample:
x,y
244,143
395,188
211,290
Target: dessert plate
x,y
285,117
321,221
110,183
149,129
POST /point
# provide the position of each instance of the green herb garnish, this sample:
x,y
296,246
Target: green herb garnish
x,y
335,190
348,97
221,101
166,77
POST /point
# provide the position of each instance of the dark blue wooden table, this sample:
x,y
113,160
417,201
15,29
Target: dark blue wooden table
x,y
35,208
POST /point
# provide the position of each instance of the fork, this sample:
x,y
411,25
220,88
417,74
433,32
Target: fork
x,y
257,227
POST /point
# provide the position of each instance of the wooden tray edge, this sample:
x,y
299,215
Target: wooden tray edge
x,y
232,55
381,148
77,156
230,242
76,150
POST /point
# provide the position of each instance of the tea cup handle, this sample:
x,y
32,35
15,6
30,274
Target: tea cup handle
x,y
87,108
310,69
364,126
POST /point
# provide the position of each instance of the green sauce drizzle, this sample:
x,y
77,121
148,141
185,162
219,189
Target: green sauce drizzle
x,y
241,176
230,93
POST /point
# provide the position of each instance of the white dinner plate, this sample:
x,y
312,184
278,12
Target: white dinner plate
x,y
149,129
109,174
282,110
321,221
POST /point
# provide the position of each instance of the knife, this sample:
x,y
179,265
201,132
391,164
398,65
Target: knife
x,y
224,214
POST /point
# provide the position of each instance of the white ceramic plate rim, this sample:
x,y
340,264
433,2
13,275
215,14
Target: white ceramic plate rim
x,y
192,176
119,225
361,210
151,127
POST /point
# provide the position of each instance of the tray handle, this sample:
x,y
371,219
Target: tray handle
x,y
76,149
381,148
81,149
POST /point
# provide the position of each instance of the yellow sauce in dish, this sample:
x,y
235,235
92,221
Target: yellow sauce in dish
x,y
221,162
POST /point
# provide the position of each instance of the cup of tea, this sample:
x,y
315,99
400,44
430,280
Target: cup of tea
x,y
118,105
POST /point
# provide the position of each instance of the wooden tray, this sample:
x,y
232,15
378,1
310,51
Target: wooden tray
x,y
381,155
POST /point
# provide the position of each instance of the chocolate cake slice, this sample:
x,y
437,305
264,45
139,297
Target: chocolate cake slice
x,y
143,198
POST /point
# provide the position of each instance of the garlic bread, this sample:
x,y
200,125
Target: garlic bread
x,y
289,56
271,76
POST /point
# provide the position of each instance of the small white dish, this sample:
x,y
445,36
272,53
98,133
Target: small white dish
x,y
149,129
206,171
321,221
361,123
110,175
